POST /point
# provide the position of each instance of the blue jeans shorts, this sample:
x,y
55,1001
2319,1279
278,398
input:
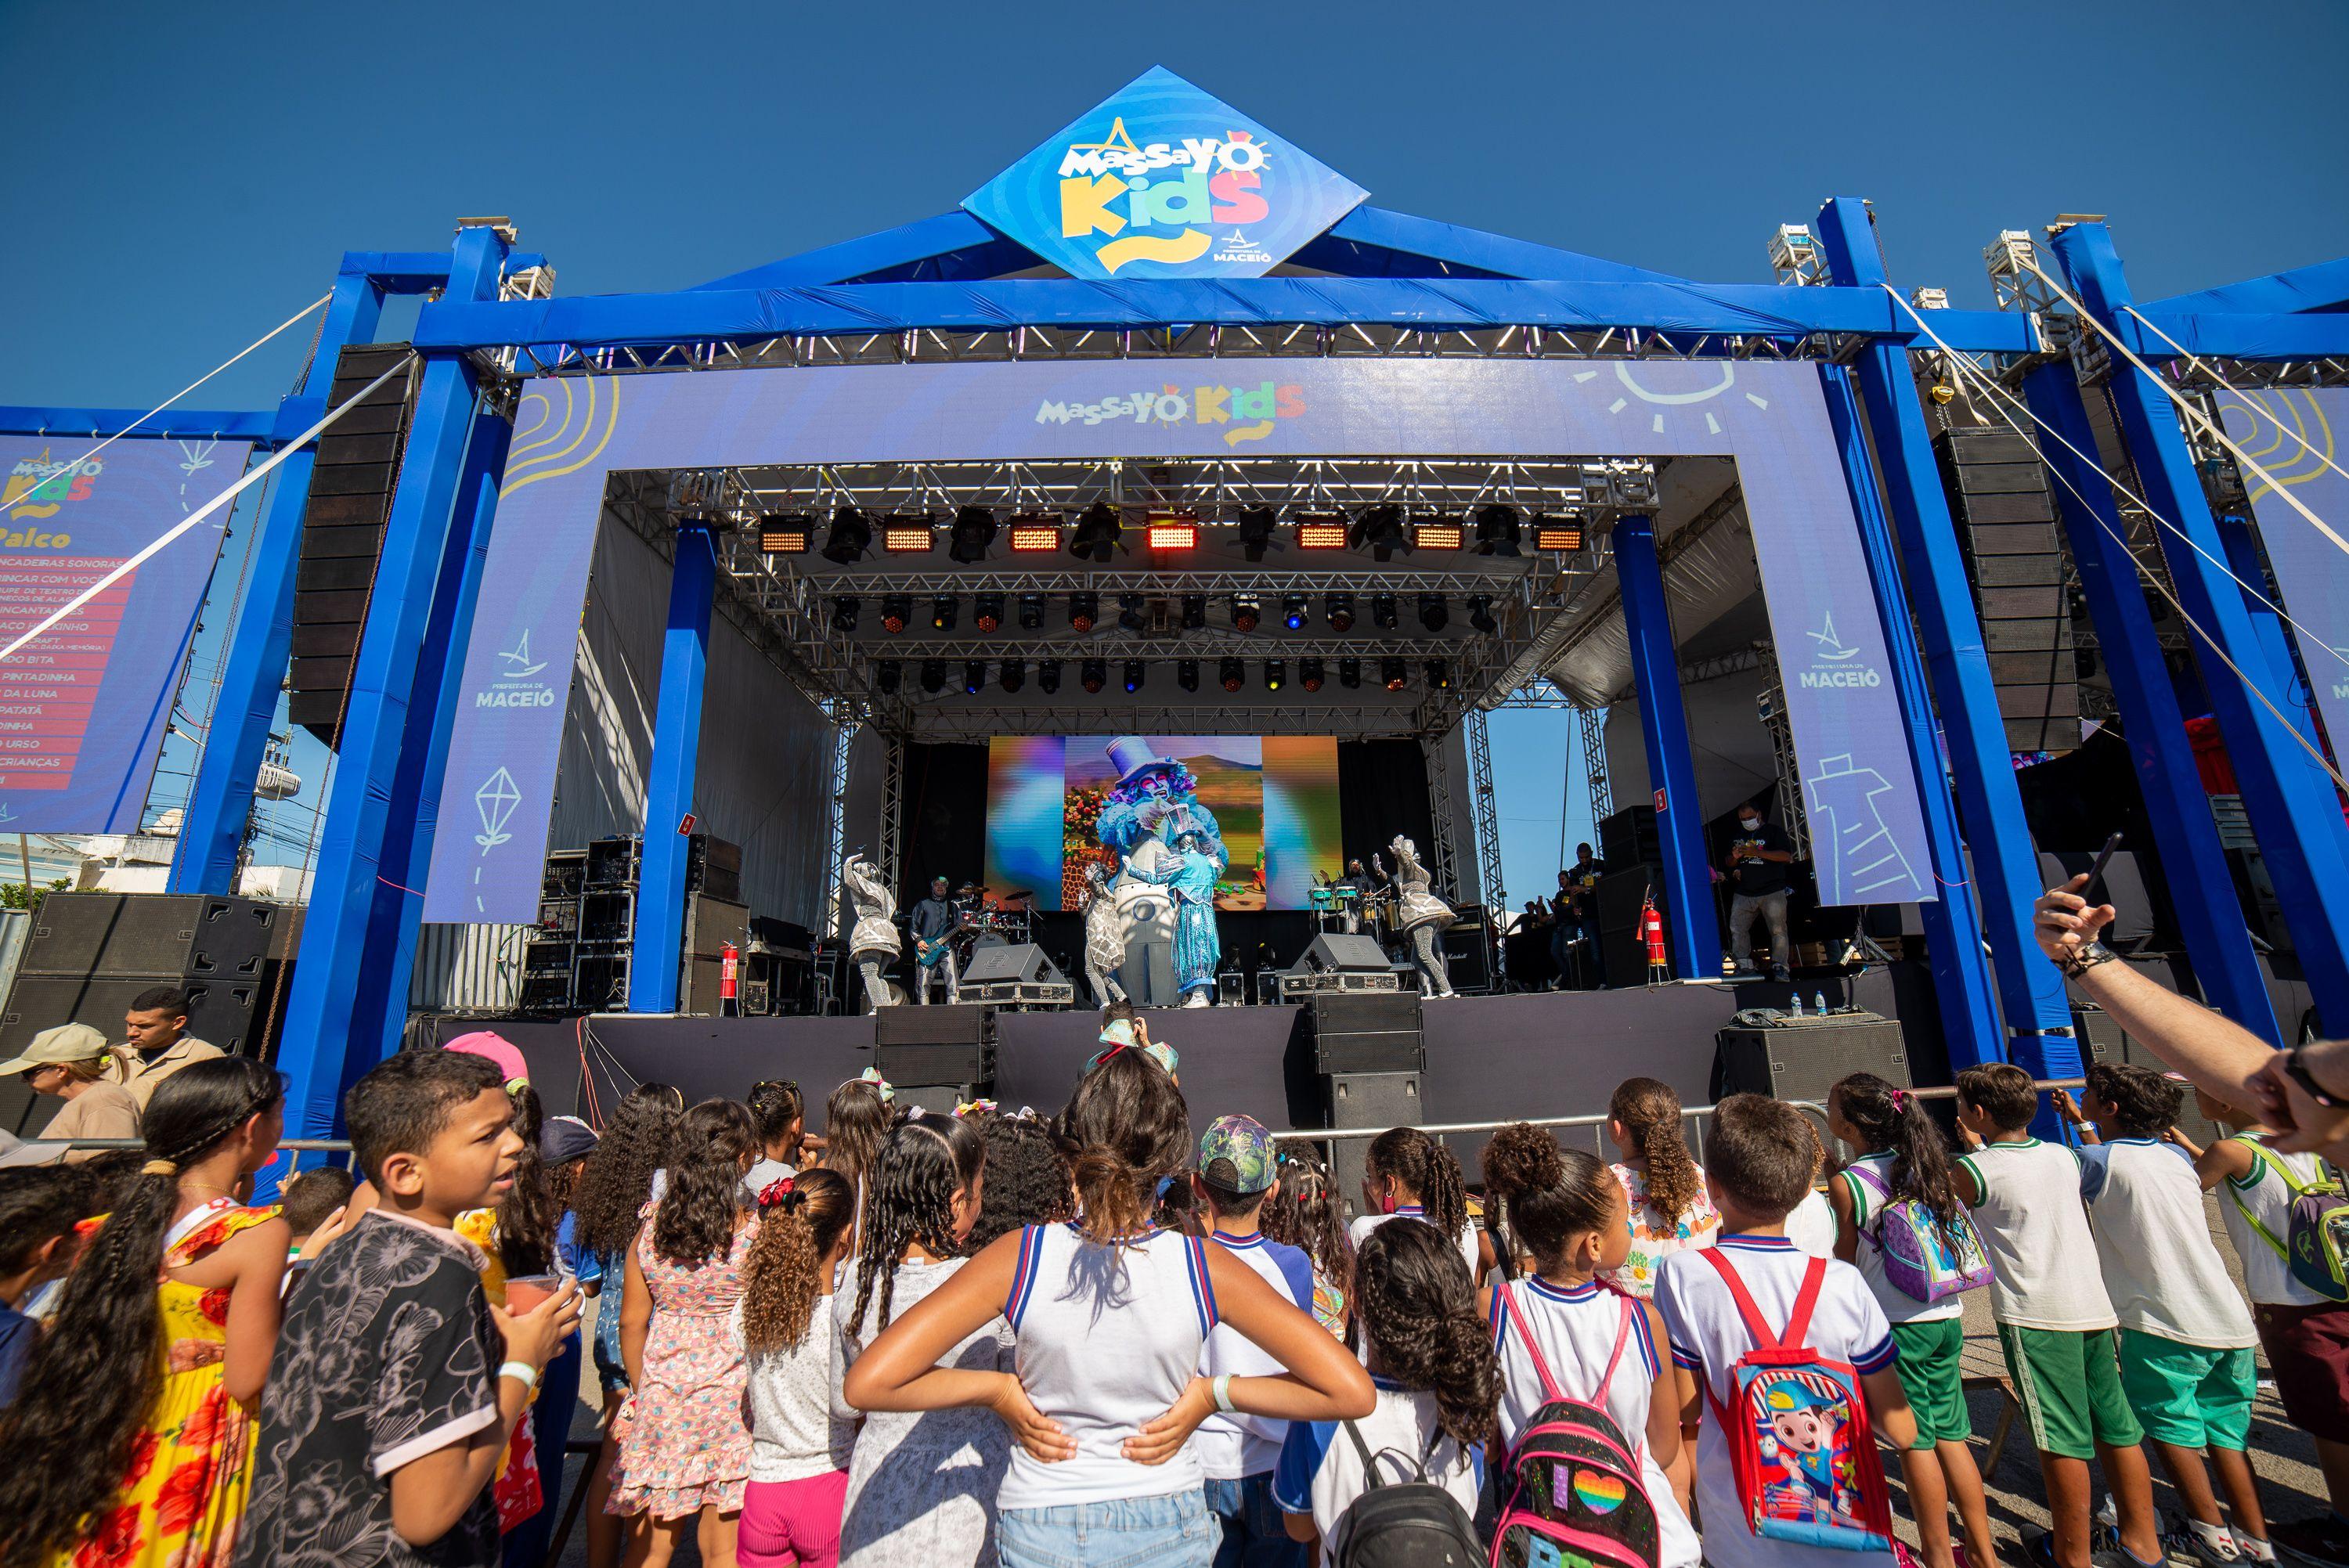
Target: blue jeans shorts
x,y
1170,1532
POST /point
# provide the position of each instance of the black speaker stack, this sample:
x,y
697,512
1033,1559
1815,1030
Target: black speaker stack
x,y
1623,896
935,1055
2014,559
1373,1059
1801,1059
578,960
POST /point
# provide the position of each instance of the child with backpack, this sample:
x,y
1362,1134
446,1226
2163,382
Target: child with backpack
x,y
2186,1336
2303,1330
1400,1485
1791,1360
1406,1174
1582,1373
1899,1217
2055,1319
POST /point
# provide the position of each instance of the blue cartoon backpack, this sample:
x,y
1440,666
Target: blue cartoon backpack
x,y
1924,1260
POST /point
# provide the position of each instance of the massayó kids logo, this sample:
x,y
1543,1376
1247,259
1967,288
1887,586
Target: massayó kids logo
x,y
39,487
1246,413
1161,181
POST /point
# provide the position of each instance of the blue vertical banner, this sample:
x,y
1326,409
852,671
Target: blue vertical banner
x,y
2310,570
84,709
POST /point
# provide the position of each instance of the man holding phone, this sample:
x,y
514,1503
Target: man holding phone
x,y
1758,860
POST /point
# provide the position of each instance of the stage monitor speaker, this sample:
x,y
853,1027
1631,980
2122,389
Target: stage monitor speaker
x,y
1802,1061
1021,962
1367,1032
1335,953
1379,1099
2103,1040
167,936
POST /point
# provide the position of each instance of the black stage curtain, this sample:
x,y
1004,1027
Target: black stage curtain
x,y
946,819
1382,791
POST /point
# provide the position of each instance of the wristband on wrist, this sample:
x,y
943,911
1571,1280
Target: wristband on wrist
x,y
1222,1389
521,1372
2080,960
2295,1063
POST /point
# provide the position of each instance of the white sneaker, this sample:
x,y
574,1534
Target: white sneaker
x,y
1197,999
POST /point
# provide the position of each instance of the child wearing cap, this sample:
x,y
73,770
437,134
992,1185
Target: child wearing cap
x,y
1236,1176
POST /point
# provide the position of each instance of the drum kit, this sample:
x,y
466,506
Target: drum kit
x,y
983,919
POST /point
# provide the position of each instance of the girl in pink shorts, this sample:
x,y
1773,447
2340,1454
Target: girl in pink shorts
x,y
798,1452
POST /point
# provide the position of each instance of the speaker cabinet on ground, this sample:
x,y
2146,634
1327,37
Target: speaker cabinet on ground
x,y
934,1045
1366,1032
1367,1099
1802,1061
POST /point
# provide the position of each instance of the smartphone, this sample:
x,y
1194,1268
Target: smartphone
x,y
2094,890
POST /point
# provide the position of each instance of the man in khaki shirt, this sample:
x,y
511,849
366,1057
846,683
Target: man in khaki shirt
x,y
70,1062
159,1044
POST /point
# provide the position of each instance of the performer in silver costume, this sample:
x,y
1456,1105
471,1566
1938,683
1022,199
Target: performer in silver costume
x,y
1420,916
1104,938
874,941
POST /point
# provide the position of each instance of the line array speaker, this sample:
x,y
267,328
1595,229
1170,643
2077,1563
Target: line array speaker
x,y
1367,1032
2014,558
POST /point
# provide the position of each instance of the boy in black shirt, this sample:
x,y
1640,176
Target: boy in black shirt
x,y
397,1385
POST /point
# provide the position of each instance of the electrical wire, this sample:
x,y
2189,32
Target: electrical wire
x,y
2199,363
2096,514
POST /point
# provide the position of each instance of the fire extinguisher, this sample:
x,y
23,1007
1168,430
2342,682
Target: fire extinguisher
x,y
730,971
1652,931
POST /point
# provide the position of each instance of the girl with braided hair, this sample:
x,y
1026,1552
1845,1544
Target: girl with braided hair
x,y
799,1449
1406,1174
922,1484
131,1437
1560,1332
1663,1181
1438,1386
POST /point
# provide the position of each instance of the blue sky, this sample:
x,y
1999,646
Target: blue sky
x,y
181,178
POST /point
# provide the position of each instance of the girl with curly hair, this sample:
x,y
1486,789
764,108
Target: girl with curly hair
x,y
798,1452
1303,1213
1026,1179
131,1442
1562,1334
1406,1174
1661,1179
1107,1320
1431,1361
685,1452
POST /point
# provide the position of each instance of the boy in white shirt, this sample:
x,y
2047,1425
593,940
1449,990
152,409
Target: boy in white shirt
x,y
2186,1336
2054,1321
1758,1160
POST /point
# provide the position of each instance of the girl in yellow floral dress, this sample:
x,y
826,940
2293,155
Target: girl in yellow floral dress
x,y
131,1442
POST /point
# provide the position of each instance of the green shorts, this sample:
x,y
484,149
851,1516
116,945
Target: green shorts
x,y
2070,1387
1931,1377
2189,1395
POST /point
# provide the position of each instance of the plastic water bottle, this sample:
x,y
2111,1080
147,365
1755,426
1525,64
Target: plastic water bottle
x,y
1794,1008
1820,1003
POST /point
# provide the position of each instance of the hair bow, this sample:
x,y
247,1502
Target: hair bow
x,y
778,1191
1899,1100
974,1108
873,1076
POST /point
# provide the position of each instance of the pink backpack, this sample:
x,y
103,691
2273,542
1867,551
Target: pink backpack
x,y
1575,1495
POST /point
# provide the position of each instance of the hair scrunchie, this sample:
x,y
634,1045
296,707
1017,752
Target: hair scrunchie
x,y
158,1167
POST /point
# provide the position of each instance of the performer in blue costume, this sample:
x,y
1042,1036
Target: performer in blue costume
x,y
1155,798
1192,874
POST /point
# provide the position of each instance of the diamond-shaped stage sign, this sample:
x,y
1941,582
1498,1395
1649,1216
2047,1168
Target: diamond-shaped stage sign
x,y
1163,181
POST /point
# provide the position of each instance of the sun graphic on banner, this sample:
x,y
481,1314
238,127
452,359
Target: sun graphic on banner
x,y
1663,402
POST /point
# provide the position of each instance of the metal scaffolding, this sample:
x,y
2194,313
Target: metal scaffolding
x,y
1486,807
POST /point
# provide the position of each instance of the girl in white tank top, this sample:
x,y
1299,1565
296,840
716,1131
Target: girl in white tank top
x,y
1562,1328
1108,1316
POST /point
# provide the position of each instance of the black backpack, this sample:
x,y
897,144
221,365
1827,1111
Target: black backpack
x,y
1412,1523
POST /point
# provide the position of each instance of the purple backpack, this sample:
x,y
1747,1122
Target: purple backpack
x,y
1924,1259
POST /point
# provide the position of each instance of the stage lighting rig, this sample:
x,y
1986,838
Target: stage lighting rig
x,y
1559,534
1084,611
1480,614
896,610
907,534
1381,530
1096,534
1031,612
1255,527
1048,676
1245,611
973,533
1035,533
1438,533
973,676
1497,531
1338,609
1321,531
1350,673
1433,612
1439,674
986,611
1195,612
785,532
1167,530
850,538
1186,674
1012,675
1393,675
1293,611
1276,675
1136,673
1231,675
1129,612
1093,675
1382,612
944,611
934,675
888,675
844,611
1310,673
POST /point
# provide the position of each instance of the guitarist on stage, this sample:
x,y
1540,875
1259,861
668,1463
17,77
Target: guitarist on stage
x,y
934,925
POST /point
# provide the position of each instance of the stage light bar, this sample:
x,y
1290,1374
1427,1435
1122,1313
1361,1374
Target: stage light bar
x,y
1382,612
1172,531
973,533
1255,527
1095,538
973,676
844,611
1350,673
1031,612
934,675
1393,675
1276,675
785,533
1136,673
1338,609
1439,674
1231,675
1035,533
1084,612
1245,611
1012,675
1321,533
1433,612
888,675
896,610
850,538
1310,673
944,611
1048,676
1439,535
1293,611
1549,534
1480,614
1093,675
986,611
1186,674
907,536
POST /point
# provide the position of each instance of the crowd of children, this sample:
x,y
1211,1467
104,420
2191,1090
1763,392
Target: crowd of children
x,y
985,1339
